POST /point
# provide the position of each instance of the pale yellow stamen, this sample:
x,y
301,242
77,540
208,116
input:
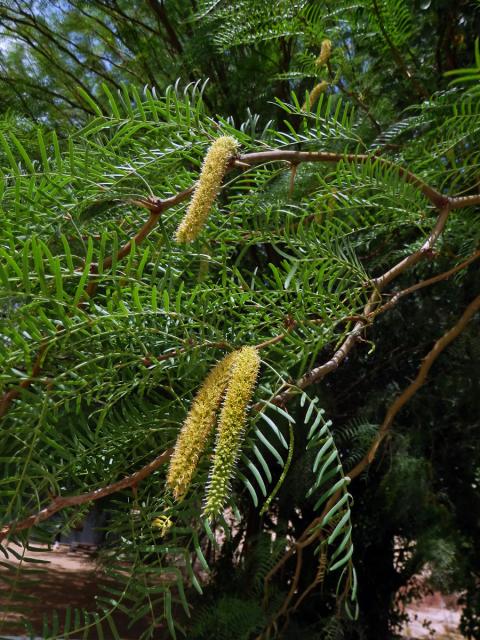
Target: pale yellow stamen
x,y
213,170
314,95
325,53
197,428
231,427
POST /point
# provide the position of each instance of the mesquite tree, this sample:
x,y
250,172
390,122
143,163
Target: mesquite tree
x,y
179,290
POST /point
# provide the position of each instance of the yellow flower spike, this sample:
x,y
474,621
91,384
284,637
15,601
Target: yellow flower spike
x,y
315,93
197,428
231,427
213,170
163,524
325,53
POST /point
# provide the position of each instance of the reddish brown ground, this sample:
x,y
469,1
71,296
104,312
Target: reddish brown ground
x,y
73,579
70,579
434,616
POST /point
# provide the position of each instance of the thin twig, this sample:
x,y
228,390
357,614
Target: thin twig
x,y
440,345
425,283
59,502
312,532
318,373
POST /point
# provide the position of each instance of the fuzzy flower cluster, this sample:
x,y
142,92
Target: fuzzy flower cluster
x,y
325,53
197,428
233,379
213,171
314,95
231,426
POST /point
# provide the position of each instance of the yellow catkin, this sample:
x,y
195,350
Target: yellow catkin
x,y
231,427
314,94
162,524
213,170
325,53
197,428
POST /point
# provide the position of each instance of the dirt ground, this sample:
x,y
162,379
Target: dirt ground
x,y
434,617
73,579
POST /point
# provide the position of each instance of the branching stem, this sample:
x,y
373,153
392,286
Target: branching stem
x,y
156,206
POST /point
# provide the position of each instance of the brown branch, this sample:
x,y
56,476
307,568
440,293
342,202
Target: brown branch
x,y
268,343
425,283
59,503
318,373
437,198
381,282
460,202
312,532
440,345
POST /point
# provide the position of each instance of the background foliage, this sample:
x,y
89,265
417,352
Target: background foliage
x,y
95,121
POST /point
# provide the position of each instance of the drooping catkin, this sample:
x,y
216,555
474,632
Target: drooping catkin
x,y
197,428
325,53
206,190
231,427
314,94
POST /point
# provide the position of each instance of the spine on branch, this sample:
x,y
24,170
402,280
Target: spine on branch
x,y
213,170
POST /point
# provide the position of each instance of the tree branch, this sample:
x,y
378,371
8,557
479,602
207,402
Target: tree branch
x,y
426,283
440,345
318,373
59,503
313,532
295,157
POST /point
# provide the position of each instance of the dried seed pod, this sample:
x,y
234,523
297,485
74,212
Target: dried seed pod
x,y
325,53
314,94
231,427
197,428
213,170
